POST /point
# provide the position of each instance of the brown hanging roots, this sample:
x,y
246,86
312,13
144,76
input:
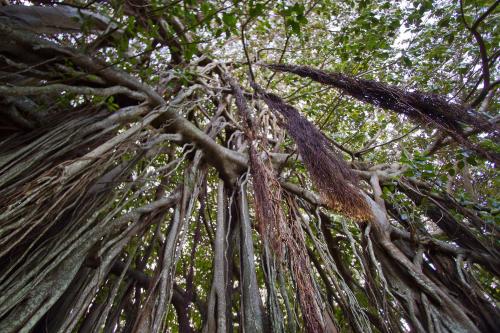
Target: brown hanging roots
x,y
422,107
284,236
267,193
329,172
266,187
273,227
301,269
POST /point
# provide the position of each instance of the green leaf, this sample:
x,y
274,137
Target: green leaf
x,y
190,50
206,8
471,160
294,25
406,61
256,10
229,20
444,22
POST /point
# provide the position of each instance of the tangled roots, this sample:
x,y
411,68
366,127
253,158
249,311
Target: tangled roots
x,y
283,236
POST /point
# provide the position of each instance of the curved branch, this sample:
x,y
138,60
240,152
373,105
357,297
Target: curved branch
x,y
61,88
482,50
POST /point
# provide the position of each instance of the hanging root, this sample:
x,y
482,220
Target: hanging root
x,y
422,107
267,201
284,236
266,187
301,269
273,227
329,172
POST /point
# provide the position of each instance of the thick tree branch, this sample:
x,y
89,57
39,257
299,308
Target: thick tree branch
x,y
63,88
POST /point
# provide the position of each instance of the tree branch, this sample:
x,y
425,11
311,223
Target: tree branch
x,y
61,88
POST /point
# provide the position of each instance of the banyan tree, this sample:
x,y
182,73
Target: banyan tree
x,y
249,166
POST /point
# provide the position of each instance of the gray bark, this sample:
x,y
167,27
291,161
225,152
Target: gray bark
x,y
251,311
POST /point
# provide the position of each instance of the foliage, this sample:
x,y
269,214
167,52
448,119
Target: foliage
x,y
160,163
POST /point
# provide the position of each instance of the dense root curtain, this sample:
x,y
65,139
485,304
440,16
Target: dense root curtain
x,y
329,172
424,108
284,237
